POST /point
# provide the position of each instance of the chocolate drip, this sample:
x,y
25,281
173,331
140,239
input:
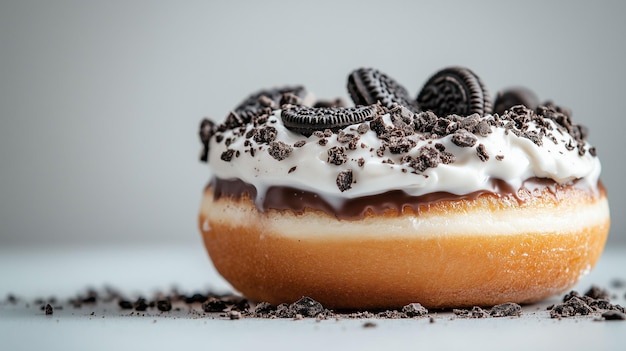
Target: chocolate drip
x,y
297,200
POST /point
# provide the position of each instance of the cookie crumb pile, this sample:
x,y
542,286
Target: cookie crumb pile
x,y
594,304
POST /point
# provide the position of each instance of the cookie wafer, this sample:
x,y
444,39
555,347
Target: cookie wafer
x,y
306,120
271,98
369,86
515,96
455,90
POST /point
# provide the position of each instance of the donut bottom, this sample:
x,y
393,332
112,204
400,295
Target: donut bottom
x,y
261,257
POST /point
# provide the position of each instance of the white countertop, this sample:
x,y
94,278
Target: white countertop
x,y
31,273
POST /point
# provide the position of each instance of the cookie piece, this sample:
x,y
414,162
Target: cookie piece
x,y
455,90
268,98
306,120
508,98
369,86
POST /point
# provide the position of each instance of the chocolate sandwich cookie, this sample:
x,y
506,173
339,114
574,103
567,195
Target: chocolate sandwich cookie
x,y
263,99
455,90
369,86
306,120
508,98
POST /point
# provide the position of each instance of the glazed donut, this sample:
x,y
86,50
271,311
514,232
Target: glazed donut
x,y
378,206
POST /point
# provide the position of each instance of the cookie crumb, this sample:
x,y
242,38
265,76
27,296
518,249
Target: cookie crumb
x,y
475,312
463,138
289,98
227,155
344,180
400,145
613,315
482,128
307,307
362,128
125,304
214,305
141,304
596,293
572,307
507,309
164,305
279,150
344,137
265,135
369,325
266,101
337,155
12,299
414,310
481,151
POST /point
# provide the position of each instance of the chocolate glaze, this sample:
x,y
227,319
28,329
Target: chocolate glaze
x,y
297,200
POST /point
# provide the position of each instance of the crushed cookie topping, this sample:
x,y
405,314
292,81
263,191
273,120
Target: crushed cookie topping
x,y
398,128
403,135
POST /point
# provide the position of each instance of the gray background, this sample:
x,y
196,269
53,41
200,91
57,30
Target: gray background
x,y
100,101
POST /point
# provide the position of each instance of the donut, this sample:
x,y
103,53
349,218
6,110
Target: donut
x,y
400,205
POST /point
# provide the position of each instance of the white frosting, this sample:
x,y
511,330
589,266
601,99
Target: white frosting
x,y
520,160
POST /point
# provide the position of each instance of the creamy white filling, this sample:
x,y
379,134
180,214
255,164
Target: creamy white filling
x,y
518,160
572,217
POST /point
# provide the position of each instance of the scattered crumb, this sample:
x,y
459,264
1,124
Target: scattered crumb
x,y
594,304
614,315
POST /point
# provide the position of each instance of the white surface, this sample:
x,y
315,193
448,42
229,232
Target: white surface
x,y
64,272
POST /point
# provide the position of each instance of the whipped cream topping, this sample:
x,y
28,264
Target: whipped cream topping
x,y
319,163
